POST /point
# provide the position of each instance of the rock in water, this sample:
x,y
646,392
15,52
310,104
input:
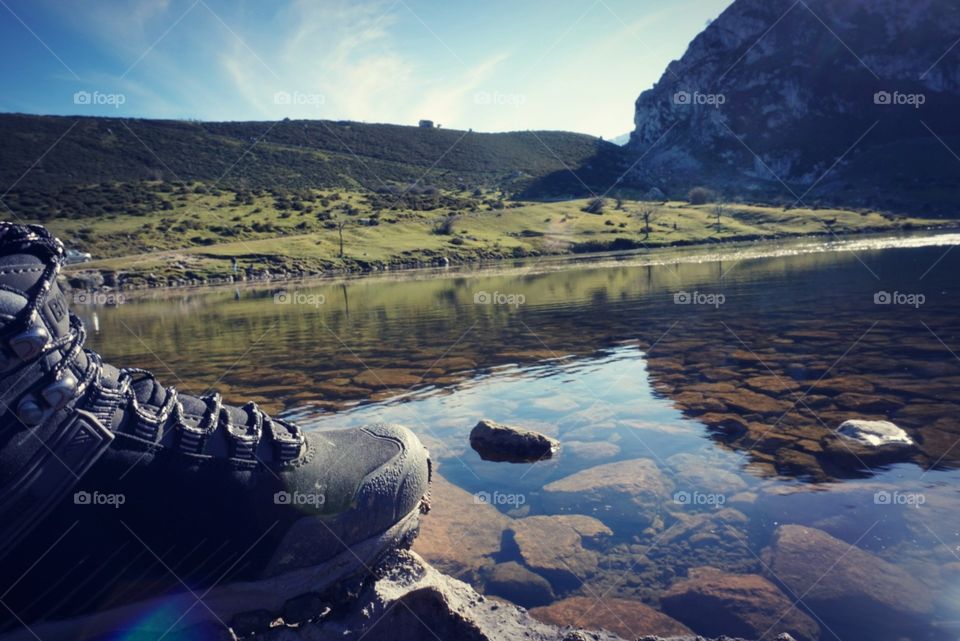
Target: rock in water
x,y
713,602
875,433
519,585
497,442
554,546
626,492
855,593
626,617
859,443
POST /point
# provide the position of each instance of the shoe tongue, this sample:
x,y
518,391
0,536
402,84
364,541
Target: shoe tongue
x,y
21,271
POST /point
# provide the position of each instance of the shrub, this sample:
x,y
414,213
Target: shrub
x,y
699,196
445,226
595,206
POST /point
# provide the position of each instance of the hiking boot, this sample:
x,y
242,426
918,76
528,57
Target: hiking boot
x,y
126,506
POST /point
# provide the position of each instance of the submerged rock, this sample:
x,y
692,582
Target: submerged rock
x,y
554,546
631,491
713,602
856,593
519,585
625,617
497,442
461,533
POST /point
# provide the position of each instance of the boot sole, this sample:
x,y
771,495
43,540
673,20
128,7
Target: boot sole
x,y
242,608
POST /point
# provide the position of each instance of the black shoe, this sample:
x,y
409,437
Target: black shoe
x,y
127,506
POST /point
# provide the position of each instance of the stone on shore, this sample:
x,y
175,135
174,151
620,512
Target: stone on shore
x,y
498,442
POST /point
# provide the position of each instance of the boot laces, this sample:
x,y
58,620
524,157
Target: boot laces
x,y
104,400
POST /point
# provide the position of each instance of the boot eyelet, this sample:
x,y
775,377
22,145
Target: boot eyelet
x,y
60,393
29,344
30,411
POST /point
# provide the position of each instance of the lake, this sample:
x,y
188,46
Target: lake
x,y
695,392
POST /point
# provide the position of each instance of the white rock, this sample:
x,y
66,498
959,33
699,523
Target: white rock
x,y
874,433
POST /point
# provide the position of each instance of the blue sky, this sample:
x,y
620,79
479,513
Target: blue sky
x,y
497,65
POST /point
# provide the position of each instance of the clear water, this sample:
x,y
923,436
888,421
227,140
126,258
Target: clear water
x,y
602,356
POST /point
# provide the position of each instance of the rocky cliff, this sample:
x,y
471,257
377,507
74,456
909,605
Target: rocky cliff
x,y
840,100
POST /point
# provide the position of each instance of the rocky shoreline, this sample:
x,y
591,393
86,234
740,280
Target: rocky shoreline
x,y
109,280
411,600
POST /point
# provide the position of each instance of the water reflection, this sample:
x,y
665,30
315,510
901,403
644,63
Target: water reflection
x,y
717,382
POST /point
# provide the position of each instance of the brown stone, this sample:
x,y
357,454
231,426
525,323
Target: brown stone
x,y
518,585
627,618
714,603
772,384
751,402
460,534
850,589
553,545
841,384
385,378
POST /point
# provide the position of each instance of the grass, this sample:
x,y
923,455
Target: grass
x,y
199,235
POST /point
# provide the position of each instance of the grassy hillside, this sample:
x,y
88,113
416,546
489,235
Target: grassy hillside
x,y
81,153
197,236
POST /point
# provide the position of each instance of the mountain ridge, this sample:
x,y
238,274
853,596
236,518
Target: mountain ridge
x,y
811,100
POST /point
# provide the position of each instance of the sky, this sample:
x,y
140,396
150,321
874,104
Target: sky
x,y
492,65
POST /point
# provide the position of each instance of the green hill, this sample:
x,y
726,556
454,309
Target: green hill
x,y
78,153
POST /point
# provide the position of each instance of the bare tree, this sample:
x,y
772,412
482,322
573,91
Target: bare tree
x,y
718,211
647,214
341,223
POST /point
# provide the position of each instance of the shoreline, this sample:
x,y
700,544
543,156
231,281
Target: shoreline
x,y
678,252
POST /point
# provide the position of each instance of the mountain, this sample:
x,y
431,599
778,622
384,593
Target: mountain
x,y
42,155
844,101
